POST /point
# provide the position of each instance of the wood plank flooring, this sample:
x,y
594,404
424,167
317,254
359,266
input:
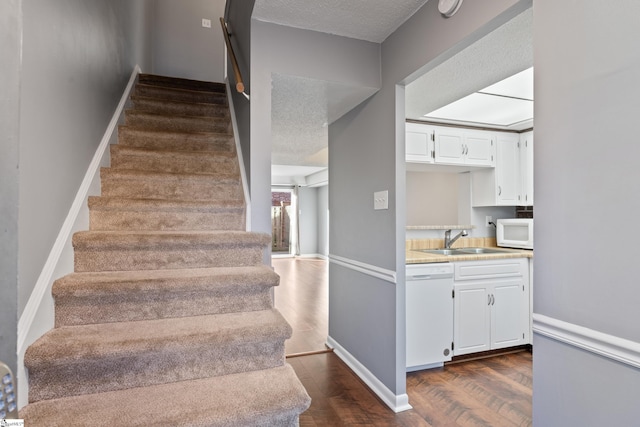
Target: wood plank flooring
x,y
302,298
491,392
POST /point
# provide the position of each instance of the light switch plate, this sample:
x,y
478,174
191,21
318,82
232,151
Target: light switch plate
x,y
206,23
381,200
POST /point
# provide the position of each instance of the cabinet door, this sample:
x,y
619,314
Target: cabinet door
x,y
479,149
449,147
507,171
526,168
509,313
418,143
472,317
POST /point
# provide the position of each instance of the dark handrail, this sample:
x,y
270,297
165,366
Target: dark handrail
x,y
234,61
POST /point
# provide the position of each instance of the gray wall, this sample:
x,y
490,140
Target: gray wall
x,y
323,220
308,220
238,17
182,47
10,43
302,53
366,154
77,57
587,184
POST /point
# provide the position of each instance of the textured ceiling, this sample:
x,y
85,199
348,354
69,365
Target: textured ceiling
x,y
500,54
371,20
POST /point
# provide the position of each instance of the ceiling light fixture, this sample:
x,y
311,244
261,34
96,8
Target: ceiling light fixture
x,y
448,8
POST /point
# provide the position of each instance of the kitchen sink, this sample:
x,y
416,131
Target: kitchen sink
x,y
481,250
442,251
463,251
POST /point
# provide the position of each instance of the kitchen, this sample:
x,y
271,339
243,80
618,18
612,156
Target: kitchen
x,y
469,234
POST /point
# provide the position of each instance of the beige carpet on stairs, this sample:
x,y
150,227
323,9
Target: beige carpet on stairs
x,y
168,317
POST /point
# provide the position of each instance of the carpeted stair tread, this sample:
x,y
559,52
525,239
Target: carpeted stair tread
x,y
77,344
171,161
178,141
74,360
272,397
180,108
173,123
102,297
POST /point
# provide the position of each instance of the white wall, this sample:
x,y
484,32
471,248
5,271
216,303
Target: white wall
x,y
587,182
182,47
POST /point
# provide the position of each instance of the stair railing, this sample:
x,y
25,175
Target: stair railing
x,y
234,61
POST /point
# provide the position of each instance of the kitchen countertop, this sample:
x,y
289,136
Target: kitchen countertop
x,y
417,257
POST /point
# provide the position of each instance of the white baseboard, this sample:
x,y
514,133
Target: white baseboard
x,y
371,270
397,402
37,317
312,256
605,345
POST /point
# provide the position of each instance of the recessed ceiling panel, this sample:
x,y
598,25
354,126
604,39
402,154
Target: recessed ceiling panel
x,y
481,108
517,86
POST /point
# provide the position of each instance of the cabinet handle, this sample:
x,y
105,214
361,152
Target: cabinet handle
x,y
493,299
463,149
467,149
499,190
489,299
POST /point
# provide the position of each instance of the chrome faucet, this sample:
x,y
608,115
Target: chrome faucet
x,y
448,240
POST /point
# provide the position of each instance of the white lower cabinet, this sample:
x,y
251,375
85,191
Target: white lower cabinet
x,y
491,305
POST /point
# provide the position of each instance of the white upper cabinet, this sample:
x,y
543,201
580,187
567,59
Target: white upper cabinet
x,y
526,168
455,146
449,146
511,182
419,143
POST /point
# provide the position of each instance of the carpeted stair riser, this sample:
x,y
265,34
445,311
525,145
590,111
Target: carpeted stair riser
x,y
108,214
128,218
89,298
119,251
181,95
160,122
176,141
162,106
184,162
180,83
116,356
272,397
150,185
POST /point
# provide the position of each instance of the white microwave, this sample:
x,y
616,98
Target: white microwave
x,y
515,233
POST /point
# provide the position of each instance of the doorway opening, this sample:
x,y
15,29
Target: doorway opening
x,y
282,222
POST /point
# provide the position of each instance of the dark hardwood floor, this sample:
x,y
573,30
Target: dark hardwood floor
x,y
491,392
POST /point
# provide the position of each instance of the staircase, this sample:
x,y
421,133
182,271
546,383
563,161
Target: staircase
x,y
168,318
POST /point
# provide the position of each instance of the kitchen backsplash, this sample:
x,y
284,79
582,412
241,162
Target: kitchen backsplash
x,y
463,242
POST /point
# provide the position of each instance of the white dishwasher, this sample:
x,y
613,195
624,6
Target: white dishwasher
x,y
429,309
